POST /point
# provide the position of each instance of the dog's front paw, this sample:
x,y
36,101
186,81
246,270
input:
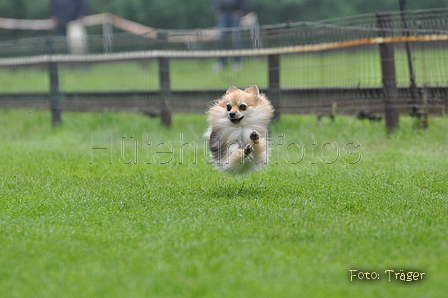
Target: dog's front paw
x,y
255,137
247,150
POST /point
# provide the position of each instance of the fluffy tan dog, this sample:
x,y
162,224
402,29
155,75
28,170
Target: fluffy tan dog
x,y
238,130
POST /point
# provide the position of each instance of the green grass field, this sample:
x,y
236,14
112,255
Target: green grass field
x,y
311,70
147,216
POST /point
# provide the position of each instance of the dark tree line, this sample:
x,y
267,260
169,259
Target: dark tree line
x,y
182,14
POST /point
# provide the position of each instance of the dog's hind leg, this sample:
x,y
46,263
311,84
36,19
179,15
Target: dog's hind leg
x,y
238,155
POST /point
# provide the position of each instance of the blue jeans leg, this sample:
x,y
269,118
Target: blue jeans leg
x,y
230,36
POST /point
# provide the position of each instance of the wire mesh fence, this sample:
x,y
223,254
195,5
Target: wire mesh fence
x,y
320,64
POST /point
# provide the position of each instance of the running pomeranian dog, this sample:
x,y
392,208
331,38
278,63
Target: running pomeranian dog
x,y
238,130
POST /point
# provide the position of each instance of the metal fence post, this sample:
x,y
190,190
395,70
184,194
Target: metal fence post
x,y
55,95
404,21
107,33
165,86
388,73
274,83
415,111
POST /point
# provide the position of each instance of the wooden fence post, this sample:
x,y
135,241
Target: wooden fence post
x,y
388,73
274,84
165,86
55,95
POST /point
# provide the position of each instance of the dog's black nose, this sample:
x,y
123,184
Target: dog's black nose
x,y
232,114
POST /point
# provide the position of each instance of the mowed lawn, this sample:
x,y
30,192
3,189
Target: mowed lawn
x,y
114,205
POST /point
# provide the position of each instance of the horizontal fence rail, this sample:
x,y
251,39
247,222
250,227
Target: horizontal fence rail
x,y
305,101
153,54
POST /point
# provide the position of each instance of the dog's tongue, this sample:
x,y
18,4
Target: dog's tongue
x,y
236,121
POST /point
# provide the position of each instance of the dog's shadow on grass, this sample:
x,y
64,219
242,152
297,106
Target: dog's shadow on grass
x,y
237,190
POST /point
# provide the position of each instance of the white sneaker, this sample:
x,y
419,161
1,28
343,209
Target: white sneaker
x,y
218,67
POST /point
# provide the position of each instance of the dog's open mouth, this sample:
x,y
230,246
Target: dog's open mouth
x,y
235,120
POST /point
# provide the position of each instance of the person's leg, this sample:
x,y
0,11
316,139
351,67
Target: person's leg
x,y
224,22
62,30
236,39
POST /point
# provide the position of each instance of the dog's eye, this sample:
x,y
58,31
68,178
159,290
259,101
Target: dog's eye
x,y
229,107
242,107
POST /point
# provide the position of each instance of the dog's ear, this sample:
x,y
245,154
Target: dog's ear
x,y
231,89
253,90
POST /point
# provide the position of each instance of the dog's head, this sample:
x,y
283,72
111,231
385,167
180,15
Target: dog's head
x,y
240,104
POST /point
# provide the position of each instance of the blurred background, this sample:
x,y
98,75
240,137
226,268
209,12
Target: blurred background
x,y
164,55
180,14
